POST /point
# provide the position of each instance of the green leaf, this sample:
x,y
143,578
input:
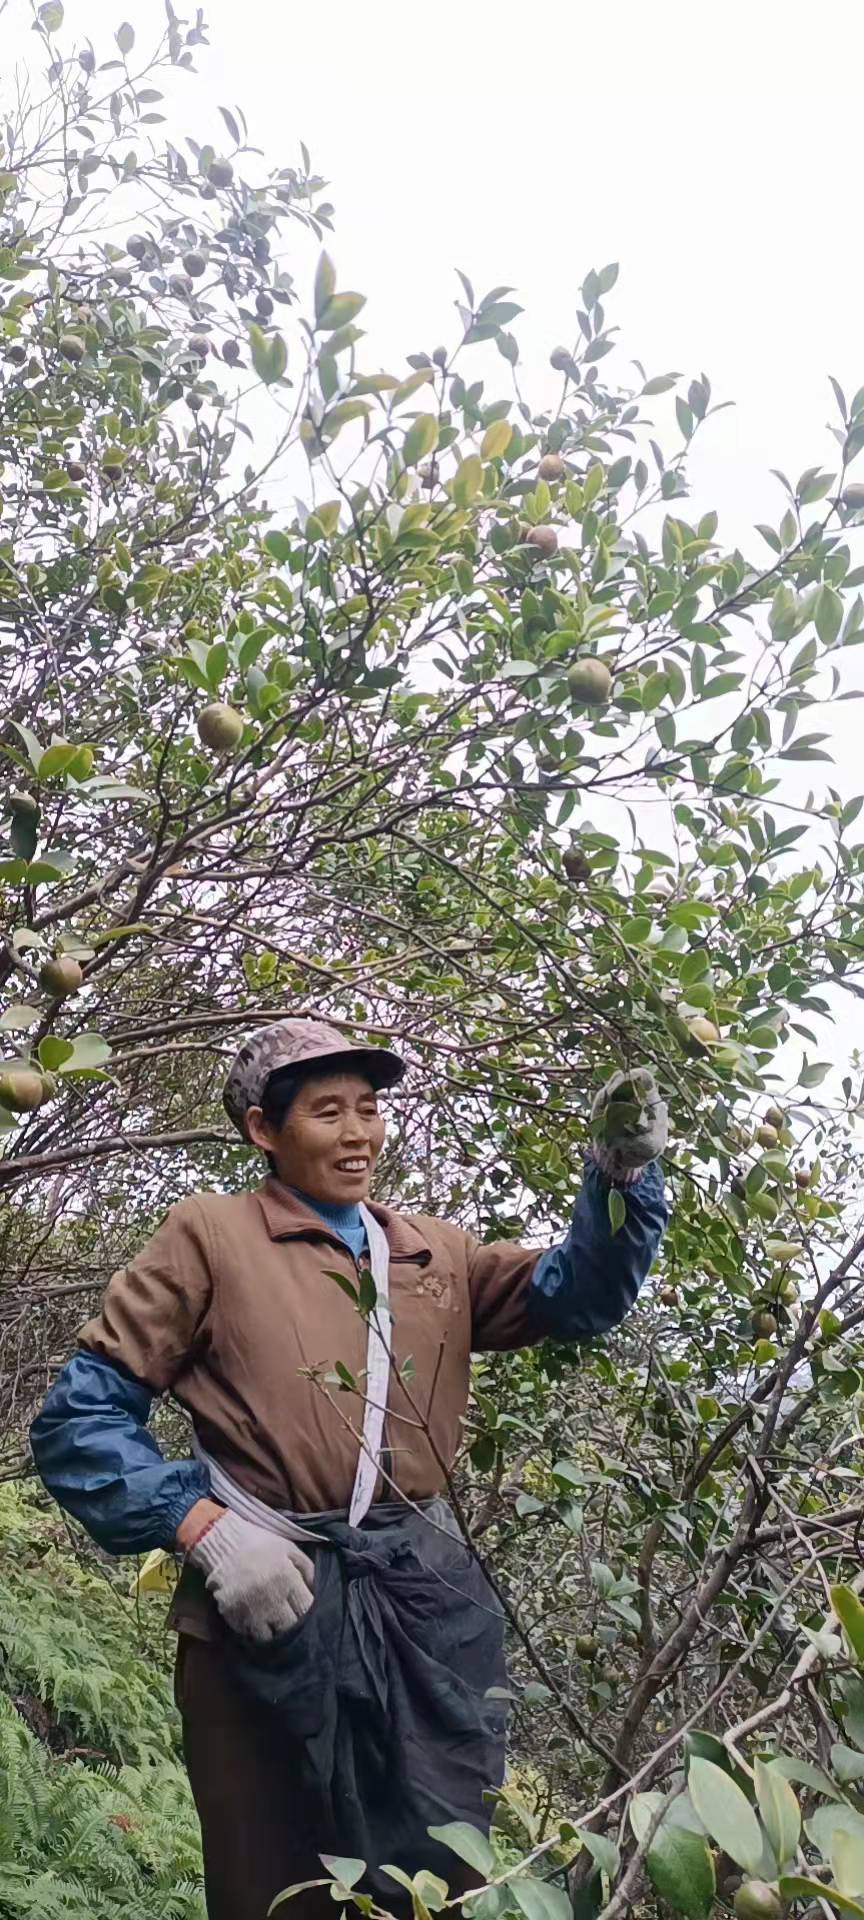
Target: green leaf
x,y
680,1867
421,438
850,1614
727,1815
342,1280
828,614
18,1017
51,15
603,1851
343,1868
781,1814
54,1052
539,1899
847,1860
797,1886
269,354
278,546
467,1842
847,1763
325,284
496,440
617,1208
88,1050
31,743
468,480
339,310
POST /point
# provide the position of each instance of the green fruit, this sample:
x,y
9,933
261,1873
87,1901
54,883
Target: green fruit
x,y
194,263
766,1136
220,173
585,1645
551,467
72,347
775,1117
756,1900
560,358
60,977
21,1090
50,1086
220,727
180,285
23,803
136,245
764,1324
789,1293
590,681
545,539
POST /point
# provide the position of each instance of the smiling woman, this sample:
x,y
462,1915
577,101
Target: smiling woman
x,y
327,1418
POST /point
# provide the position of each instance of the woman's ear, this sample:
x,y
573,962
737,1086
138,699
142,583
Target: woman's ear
x,y
258,1130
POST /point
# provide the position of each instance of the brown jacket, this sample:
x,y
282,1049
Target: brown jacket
x,y
230,1307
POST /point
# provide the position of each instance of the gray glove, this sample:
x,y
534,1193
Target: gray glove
x,y
629,1125
261,1584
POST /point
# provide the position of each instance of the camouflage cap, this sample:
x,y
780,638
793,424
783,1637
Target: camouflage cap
x,y
295,1043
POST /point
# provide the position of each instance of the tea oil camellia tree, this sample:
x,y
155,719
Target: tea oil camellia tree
x,y
489,747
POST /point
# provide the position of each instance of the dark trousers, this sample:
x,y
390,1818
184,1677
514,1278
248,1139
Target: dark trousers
x,y
245,1781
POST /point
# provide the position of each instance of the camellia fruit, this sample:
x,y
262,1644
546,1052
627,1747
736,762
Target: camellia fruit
x,y
764,1324
220,727
767,1136
668,1297
853,497
199,345
551,467
560,359
590,681
61,977
803,1178
545,539
21,802
585,1645
21,1090
775,1117
194,263
220,173
703,1030
72,347
756,1900
75,470
575,864
136,245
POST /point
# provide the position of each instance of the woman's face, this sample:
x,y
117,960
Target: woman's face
x,y
330,1138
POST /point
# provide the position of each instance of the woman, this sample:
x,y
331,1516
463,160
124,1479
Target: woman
x,y
339,1661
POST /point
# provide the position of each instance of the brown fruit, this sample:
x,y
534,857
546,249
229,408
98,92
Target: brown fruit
x,y
21,1090
136,245
575,864
16,353
764,1324
545,539
60,977
112,466
551,467
263,305
775,1117
72,347
200,345
195,263
585,1645
756,1900
767,1136
803,1178
75,470
194,402
21,802
220,173
220,727
560,359
590,681
668,1297
231,351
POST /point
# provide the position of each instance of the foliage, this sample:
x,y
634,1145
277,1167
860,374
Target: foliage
x,y
417,818
96,1817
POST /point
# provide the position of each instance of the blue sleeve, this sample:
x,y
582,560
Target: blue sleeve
x,y
94,1454
587,1284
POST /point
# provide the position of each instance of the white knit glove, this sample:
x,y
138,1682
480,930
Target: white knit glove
x,y
261,1584
629,1125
